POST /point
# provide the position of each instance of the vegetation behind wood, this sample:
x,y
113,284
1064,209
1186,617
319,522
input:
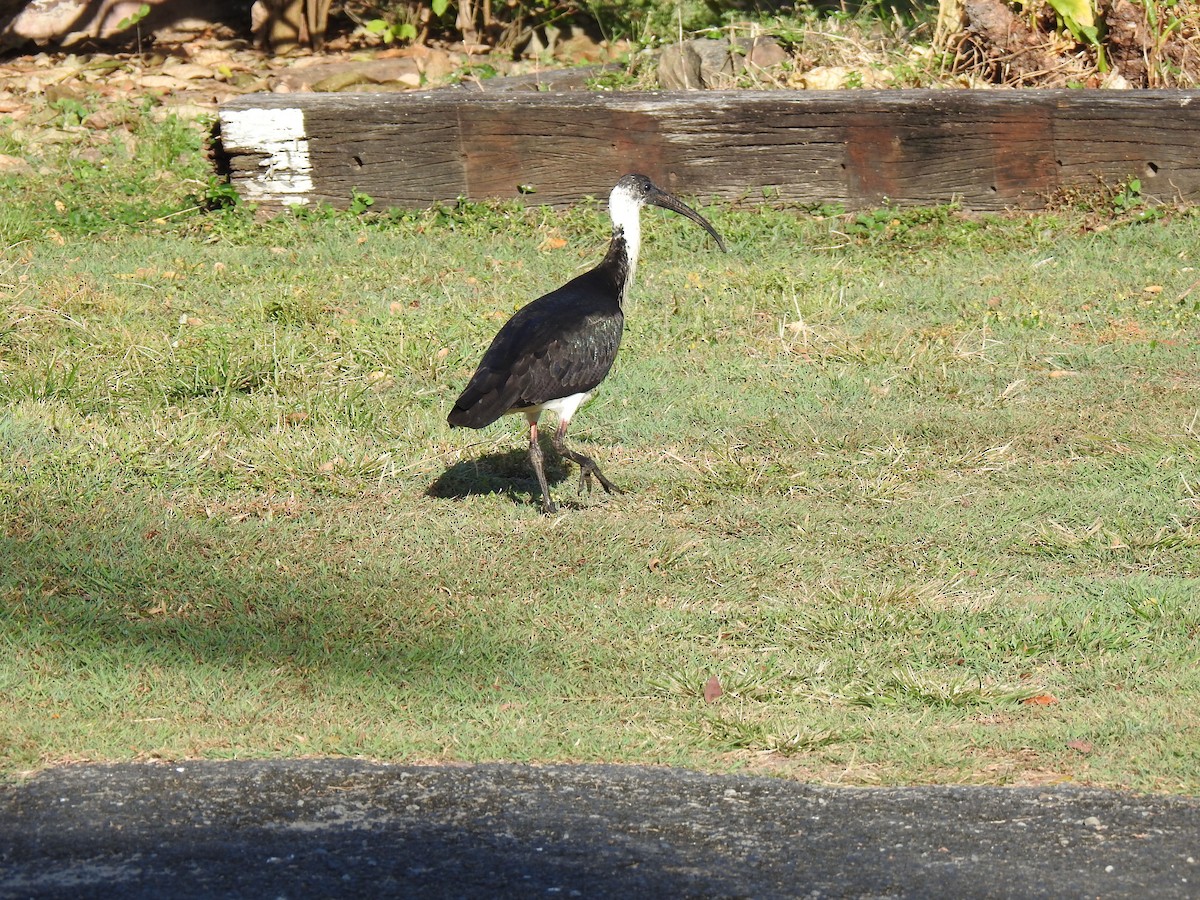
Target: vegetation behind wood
x,y
1039,43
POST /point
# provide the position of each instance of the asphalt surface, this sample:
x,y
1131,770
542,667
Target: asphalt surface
x,y
344,828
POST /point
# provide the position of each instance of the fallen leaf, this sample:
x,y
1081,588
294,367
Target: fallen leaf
x,y
1040,700
712,689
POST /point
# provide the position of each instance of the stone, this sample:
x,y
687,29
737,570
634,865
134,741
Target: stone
x,y
14,165
824,78
402,72
765,52
69,22
679,69
696,64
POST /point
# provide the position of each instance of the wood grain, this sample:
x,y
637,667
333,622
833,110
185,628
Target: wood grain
x,y
988,150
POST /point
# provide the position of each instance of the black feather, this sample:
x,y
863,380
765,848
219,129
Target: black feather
x,y
560,344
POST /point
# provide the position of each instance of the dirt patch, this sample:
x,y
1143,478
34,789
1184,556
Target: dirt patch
x,y
1130,45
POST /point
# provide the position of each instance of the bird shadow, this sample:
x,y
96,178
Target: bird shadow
x,y
508,473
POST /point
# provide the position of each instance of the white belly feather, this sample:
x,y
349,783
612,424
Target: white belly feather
x,y
563,407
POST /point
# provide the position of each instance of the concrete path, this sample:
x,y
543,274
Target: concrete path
x,y
343,828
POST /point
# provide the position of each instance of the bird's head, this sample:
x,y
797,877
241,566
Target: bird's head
x,y
633,192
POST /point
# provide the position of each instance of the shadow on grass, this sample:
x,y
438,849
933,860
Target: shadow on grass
x,y
509,473
192,594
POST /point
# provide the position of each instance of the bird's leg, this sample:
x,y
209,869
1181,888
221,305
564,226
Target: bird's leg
x,y
535,457
587,465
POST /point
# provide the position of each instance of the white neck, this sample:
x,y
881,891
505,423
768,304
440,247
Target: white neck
x,y
626,217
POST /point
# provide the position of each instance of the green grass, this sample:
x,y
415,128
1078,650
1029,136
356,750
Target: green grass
x,y
922,490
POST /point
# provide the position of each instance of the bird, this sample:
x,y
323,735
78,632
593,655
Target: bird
x,y
555,350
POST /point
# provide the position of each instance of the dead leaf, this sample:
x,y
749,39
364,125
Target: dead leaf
x,y
1040,700
712,689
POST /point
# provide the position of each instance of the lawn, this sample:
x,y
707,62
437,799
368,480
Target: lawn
x,y
920,489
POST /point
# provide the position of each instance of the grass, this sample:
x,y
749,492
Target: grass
x,y
921,489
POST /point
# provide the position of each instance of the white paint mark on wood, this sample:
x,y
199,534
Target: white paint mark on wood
x,y
279,135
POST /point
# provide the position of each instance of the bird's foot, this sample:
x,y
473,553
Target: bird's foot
x,y
585,479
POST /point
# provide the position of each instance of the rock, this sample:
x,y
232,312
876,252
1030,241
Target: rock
x,y
824,78
716,62
68,22
695,64
432,62
14,165
835,78
765,52
436,65
580,47
42,21
679,69
401,73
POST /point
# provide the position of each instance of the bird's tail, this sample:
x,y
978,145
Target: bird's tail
x,y
477,414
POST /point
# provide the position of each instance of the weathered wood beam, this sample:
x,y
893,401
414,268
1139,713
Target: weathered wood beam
x,y
987,150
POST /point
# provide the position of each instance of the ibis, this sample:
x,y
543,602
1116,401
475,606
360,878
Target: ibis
x,y
554,352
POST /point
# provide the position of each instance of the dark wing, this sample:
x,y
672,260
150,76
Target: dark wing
x,y
560,344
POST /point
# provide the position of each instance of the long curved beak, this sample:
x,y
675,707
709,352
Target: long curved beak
x,y
661,198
